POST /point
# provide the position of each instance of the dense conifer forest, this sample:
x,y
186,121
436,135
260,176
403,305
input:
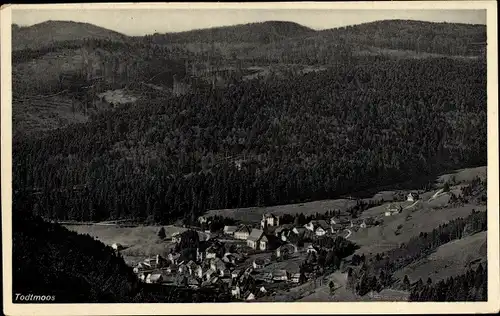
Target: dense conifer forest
x,y
309,137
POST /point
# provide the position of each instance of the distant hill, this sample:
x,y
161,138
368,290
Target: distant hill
x,y
45,33
420,36
263,32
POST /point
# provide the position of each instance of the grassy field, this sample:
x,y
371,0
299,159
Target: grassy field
x,y
254,214
407,224
139,242
448,260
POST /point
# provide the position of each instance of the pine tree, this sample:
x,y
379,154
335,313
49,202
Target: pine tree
x,y
161,234
406,282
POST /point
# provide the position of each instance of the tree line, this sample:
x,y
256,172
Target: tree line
x,y
470,286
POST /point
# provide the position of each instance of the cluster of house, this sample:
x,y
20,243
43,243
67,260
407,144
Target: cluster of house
x,y
271,234
393,209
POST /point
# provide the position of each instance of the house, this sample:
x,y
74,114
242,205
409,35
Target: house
x,y
242,232
363,224
336,228
236,274
171,268
154,262
224,273
193,282
295,278
334,221
320,231
280,275
202,220
312,248
176,237
191,265
217,264
209,274
412,197
142,276
249,296
182,268
263,243
269,219
154,278
254,238
286,250
200,255
230,230
236,292
194,269
299,230
174,257
117,246
394,208
269,242
258,263
229,258
211,252
315,224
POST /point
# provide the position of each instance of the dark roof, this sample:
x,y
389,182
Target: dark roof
x,y
255,235
321,223
230,228
244,228
259,261
272,240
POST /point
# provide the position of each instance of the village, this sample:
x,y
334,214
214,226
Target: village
x,y
254,260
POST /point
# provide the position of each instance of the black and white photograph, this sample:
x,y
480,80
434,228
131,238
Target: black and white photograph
x,y
249,153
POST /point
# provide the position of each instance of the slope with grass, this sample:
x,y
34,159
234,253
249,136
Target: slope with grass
x,y
451,259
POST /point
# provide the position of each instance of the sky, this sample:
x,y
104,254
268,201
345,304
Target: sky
x,y
148,21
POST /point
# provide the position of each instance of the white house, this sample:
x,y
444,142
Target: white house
x,y
250,297
117,246
176,237
269,220
253,241
258,263
202,220
154,278
211,252
320,231
312,248
230,230
412,197
315,224
242,232
280,275
295,278
236,292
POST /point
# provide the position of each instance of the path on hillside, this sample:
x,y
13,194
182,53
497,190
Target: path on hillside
x,y
414,203
436,195
349,233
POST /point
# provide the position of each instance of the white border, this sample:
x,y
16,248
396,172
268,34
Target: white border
x,y
491,306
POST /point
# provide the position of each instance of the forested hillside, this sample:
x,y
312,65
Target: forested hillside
x,y
282,140
257,33
72,267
